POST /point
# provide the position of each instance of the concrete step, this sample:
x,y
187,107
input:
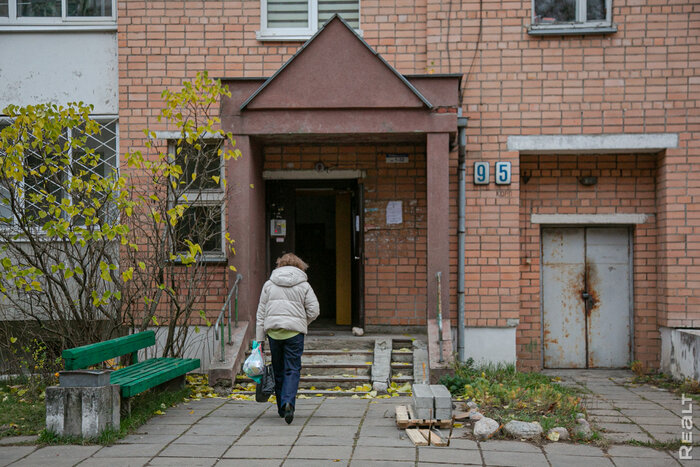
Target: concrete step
x,y
402,356
306,381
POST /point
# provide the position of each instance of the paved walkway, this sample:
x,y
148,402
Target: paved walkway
x,y
623,411
343,431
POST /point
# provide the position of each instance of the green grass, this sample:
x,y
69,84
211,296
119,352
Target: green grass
x,y
688,387
505,394
22,412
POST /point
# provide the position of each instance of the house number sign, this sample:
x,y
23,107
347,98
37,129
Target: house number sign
x,y
482,175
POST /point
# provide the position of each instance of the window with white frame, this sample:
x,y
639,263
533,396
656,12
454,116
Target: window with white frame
x,y
57,12
571,14
200,188
38,190
300,19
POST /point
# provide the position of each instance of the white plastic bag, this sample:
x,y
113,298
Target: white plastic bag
x,y
254,364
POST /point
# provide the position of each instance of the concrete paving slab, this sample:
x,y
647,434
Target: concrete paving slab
x,y
120,461
665,437
250,463
312,462
646,462
160,429
558,460
183,461
368,463
250,452
9,454
447,455
330,453
342,430
140,438
206,439
325,440
515,459
509,446
608,419
253,440
636,452
14,440
332,421
58,456
384,454
398,441
215,430
381,431
625,437
618,427
129,450
565,449
193,450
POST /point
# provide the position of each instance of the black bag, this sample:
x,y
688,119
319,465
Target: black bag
x,y
266,387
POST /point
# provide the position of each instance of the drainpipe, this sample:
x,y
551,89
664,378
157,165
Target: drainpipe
x,y
462,170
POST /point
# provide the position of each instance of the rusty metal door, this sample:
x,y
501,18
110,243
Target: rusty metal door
x,y
586,297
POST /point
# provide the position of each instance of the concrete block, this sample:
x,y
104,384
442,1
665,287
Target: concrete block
x,y
83,378
442,400
423,405
82,411
381,366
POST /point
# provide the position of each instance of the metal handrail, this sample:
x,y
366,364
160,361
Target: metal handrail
x,y
227,304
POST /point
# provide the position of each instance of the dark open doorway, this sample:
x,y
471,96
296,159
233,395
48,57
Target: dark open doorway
x,y
320,221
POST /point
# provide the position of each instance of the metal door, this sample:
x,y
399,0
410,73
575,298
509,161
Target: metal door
x,y
586,297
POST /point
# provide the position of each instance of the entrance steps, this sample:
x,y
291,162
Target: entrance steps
x,y
340,364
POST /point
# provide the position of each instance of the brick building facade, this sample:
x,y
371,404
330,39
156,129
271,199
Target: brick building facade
x,y
614,103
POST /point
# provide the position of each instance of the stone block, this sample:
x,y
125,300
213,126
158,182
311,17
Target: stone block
x,y
82,411
83,378
423,405
442,402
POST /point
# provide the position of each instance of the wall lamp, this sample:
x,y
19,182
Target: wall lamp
x,y
588,180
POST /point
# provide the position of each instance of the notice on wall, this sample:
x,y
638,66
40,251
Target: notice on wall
x,y
394,212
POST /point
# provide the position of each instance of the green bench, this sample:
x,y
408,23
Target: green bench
x,y
137,377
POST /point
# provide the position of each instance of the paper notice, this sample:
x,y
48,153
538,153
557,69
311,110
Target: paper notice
x,y
394,212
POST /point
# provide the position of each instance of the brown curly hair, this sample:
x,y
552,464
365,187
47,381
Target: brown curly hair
x,y
290,259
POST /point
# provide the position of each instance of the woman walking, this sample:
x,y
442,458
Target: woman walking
x,y
287,305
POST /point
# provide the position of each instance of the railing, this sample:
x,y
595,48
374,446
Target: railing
x,y
227,305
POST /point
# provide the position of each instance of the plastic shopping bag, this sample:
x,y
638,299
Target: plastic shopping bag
x,y
266,387
254,364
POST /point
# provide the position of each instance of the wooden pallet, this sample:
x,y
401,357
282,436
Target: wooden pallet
x,y
406,419
416,427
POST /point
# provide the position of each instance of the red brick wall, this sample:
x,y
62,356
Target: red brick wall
x,y
641,79
395,254
625,185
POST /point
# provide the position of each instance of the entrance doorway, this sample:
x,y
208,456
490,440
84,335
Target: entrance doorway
x,y
321,222
586,296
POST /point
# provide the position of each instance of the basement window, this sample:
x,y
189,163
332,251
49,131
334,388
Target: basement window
x,y
567,17
300,19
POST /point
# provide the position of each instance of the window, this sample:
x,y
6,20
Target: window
x,y
57,12
39,190
200,188
571,17
300,19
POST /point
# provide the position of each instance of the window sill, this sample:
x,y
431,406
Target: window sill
x,y
209,258
7,28
268,36
566,30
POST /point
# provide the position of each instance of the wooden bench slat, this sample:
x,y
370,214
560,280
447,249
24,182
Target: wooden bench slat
x,y
81,357
150,373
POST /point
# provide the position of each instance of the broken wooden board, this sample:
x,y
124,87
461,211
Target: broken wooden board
x,y
416,436
406,419
432,437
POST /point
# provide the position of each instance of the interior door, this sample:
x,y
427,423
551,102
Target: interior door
x,y
358,265
586,297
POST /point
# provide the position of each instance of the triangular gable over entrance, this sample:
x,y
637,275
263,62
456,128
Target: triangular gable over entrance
x,y
336,69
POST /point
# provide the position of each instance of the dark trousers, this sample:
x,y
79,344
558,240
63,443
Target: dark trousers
x,y
286,362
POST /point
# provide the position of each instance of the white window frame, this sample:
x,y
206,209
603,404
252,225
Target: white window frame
x,y
277,34
12,22
579,23
206,197
97,118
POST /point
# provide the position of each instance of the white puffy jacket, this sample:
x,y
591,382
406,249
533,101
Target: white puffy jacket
x,y
287,302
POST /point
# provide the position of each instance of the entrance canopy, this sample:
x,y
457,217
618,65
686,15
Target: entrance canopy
x,y
337,89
